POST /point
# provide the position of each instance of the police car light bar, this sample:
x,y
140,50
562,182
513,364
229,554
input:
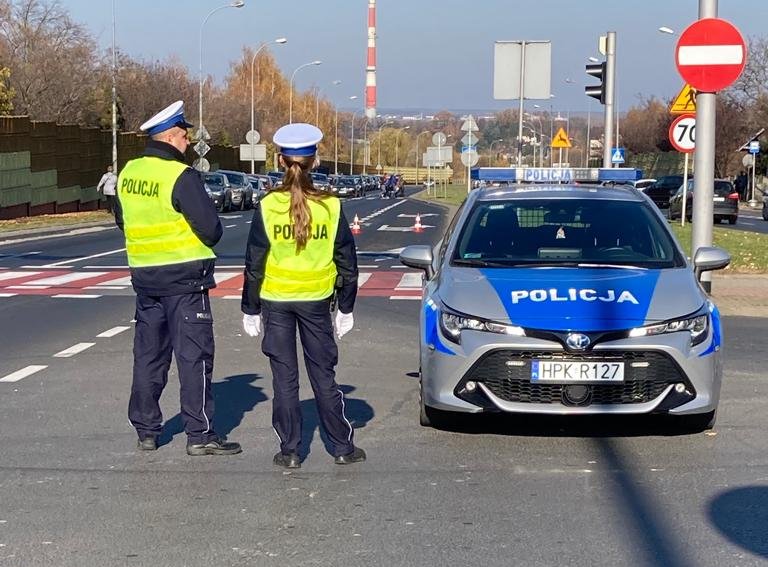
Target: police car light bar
x,y
556,174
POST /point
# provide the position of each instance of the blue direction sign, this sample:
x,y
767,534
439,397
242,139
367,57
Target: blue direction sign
x,y
472,148
617,155
754,147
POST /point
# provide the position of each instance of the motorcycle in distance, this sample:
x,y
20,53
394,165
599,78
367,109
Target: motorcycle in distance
x,y
393,187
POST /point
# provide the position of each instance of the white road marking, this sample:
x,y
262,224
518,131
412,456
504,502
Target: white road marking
x,y
230,267
12,275
362,278
73,350
386,227
232,296
124,281
68,278
105,267
8,294
73,260
28,287
23,373
366,266
404,215
230,226
409,281
112,287
112,332
75,296
223,276
405,297
230,217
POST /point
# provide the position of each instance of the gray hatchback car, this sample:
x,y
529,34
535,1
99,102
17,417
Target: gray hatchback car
x,y
566,300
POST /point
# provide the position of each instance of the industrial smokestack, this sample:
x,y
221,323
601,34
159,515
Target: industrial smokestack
x,y
370,69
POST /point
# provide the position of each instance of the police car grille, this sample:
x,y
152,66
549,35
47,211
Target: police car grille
x,y
507,374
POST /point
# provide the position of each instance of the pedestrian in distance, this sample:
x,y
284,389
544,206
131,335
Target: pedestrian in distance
x,y
106,186
299,263
170,228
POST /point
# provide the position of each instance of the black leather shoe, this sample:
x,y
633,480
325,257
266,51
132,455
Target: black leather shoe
x,y
213,447
289,461
356,456
147,444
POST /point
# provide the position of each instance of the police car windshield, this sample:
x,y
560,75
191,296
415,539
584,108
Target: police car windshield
x,y
568,232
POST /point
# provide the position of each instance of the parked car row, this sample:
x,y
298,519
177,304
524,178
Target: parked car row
x,y
667,192
354,185
234,190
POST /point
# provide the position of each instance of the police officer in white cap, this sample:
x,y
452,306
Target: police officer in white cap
x,y
300,253
170,227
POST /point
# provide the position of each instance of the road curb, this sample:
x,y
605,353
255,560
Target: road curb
x,y
52,230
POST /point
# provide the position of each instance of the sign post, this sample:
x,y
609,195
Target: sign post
x,y
710,55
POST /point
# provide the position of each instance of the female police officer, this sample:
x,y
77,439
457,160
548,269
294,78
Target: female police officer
x,y
300,252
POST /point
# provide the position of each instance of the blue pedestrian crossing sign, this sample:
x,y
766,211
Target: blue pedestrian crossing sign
x,y
617,155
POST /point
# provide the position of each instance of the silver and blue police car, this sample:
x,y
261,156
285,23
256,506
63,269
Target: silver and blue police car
x,y
566,299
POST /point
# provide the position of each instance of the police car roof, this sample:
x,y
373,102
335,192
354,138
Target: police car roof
x,y
559,191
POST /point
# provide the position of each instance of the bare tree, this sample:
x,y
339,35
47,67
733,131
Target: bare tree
x,y
53,60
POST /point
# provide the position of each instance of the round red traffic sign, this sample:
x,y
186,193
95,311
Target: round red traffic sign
x,y
682,133
710,54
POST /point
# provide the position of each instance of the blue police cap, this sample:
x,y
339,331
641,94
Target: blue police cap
x,y
172,115
298,139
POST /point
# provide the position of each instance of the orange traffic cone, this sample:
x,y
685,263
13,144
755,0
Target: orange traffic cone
x,y
356,226
417,224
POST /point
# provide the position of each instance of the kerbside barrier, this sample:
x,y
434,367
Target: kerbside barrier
x,y
556,174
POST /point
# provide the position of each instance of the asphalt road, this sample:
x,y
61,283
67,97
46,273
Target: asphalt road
x,y
495,491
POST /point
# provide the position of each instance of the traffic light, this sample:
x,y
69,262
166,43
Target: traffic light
x,y
597,70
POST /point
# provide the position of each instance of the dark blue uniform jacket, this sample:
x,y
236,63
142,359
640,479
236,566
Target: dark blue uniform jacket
x,y
190,199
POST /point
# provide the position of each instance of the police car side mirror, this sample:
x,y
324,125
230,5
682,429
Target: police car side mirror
x,y
418,256
709,258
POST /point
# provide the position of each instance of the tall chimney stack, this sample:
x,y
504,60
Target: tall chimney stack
x,y
370,69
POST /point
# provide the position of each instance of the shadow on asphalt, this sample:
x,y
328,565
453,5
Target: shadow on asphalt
x,y
358,412
234,397
561,426
741,515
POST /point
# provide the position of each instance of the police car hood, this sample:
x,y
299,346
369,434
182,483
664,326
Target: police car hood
x,y
565,299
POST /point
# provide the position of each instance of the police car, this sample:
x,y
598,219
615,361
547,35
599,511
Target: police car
x,y
566,299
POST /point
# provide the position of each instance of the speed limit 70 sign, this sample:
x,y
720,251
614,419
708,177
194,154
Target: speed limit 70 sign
x,y
682,133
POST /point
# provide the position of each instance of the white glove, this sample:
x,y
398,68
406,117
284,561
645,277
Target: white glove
x,y
344,323
252,325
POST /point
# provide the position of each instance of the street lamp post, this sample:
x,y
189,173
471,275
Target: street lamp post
x,y
233,4
290,95
279,40
378,163
114,94
352,140
337,82
365,144
418,156
490,151
397,147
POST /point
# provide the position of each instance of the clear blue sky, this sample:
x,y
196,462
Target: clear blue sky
x,y
431,53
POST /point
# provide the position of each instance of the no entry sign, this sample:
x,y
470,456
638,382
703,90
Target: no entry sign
x,y
710,54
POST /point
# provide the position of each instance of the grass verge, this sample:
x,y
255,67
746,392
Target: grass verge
x,y
452,194
52,221
748,250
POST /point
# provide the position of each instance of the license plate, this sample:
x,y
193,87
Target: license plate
x,y
719,199
564,371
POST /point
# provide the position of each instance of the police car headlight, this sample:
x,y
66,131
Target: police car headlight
x,y
452,324
697,326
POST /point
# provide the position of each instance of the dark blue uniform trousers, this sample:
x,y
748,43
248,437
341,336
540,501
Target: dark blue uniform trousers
x,y
320,356
182,325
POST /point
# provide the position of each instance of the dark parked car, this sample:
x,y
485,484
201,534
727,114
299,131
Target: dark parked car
x,y
259,188
320,181
242,193
662,190
725,197
218,189
346,186
276,177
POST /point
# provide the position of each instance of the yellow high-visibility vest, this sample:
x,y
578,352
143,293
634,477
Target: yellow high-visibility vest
x,y
310,274
155,233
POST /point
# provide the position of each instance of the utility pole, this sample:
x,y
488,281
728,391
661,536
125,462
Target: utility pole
x,y
610,74
704,162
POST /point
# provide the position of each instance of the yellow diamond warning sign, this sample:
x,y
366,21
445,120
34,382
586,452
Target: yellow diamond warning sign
x,y
561,139
685,101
